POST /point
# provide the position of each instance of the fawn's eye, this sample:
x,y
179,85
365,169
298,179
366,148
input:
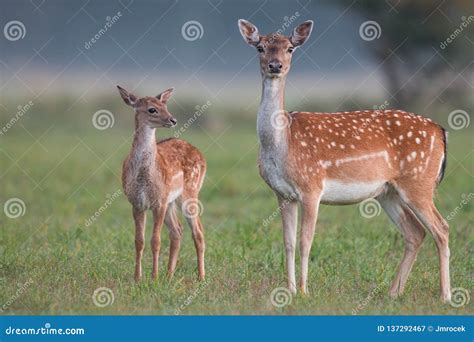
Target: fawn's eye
x,y
290,50
260,49
151,110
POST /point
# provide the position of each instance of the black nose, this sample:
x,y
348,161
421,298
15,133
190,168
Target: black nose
x,y
275,66
173,121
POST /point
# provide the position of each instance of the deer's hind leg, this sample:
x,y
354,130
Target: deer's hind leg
x,y
176,233
413,234
192,208
420,201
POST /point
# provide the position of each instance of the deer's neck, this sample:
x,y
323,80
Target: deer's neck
x,y
144,146
271,135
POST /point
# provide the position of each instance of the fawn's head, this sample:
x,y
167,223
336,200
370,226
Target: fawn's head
x,y
275,50
149,110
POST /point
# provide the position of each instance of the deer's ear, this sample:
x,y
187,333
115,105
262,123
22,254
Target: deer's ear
x,y
301,33
164,96
249,31
127,97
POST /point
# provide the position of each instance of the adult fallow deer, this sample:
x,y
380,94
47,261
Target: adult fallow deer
x,y
346,157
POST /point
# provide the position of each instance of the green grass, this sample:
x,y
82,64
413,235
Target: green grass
x,y
65,177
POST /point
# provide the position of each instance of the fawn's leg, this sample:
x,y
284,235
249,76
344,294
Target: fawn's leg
x,y
413,233
289,217
158,219
198,237
176,233
309,215
139,217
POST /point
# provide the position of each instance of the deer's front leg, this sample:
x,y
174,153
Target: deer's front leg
x,y
158,219
289,216
309,215
139,217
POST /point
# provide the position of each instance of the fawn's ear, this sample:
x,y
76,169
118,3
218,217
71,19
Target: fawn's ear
x,y
127,97
249,31
164,96
301,33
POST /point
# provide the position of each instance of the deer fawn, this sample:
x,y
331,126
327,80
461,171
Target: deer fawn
x,y
343,158
162,176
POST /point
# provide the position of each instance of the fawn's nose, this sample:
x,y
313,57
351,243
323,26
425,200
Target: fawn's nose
x,y
275,66
173,121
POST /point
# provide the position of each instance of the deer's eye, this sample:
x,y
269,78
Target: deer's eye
x,y
290,50
259,49
151,110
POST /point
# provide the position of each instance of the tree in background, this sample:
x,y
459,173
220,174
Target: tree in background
x,y
434,47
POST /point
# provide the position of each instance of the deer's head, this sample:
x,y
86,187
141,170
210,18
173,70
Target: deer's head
x,y
152,111
275,50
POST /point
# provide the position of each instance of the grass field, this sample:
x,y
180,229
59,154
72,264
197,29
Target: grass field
x,y
52,261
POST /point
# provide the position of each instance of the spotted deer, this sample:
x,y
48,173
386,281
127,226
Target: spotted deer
x,y
163,177
341,158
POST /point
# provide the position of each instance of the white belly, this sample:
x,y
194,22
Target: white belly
x,y
337,192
